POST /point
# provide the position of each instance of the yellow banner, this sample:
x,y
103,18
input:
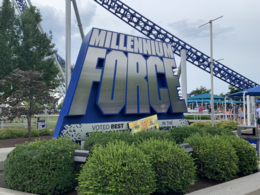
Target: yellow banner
x,y
144,124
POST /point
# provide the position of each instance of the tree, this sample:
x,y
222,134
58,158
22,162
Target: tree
x,y
29,88
31,49
200,90
232,90
8,42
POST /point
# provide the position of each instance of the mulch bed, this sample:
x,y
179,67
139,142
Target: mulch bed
x,y
6,143
200,184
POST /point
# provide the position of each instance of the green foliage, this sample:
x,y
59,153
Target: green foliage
x,y
246,154
155,134
200,124
232,89
102,138
174,168
8,42
13,133
215,157
42,167
180,133
218,131
200,90
35,49
229,125
117,169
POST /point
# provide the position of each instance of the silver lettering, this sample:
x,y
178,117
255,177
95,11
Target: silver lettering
x,y
108,39
138,45
136,74
130,43
159,49
160,106
98,39
167,50
112,101
177,105
113,42
121,42
88,74
146,46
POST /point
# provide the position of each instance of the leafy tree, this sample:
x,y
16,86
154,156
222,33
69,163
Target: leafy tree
x,y
232,90
200,90
8,42
30,49
29,88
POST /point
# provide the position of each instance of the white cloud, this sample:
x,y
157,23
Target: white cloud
x,y
235,35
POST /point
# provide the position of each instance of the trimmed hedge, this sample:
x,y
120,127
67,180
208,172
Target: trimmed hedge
x,y
23,133
119,169
180,133
200,124
215,157
229,125
174,168
218,131
155,134
103,138
246,154
42,167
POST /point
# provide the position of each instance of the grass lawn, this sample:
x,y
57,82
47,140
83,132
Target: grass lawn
x,y
18,124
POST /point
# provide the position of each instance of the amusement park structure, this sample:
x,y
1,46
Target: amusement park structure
x,y
155,32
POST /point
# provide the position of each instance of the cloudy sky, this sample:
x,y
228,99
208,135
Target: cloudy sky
x,y
236,35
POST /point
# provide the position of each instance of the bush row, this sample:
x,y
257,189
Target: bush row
x,y
152,165
22,133
122,163
228,125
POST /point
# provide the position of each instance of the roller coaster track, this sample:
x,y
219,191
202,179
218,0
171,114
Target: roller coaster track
x,y
155,32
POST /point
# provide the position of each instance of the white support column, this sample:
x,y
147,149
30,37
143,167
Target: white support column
x,y
183,76
2,124
253,108
244,106
68,43
248,110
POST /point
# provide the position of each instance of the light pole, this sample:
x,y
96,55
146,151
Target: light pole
x,y
211,68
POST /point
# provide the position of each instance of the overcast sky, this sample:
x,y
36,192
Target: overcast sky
x,y
236,35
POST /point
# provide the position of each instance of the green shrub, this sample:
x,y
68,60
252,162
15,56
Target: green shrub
x,y
174,168
119,169
218,131
102,138
42,167
215,157
180,133
155,134
22,133
229,125
200,124
246,154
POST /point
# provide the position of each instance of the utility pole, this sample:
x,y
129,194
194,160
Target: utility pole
x,y
211,68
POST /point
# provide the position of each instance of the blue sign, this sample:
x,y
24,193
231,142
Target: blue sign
x,y
117,79
254,144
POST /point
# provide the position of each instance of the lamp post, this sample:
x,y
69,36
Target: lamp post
x,y
211,68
